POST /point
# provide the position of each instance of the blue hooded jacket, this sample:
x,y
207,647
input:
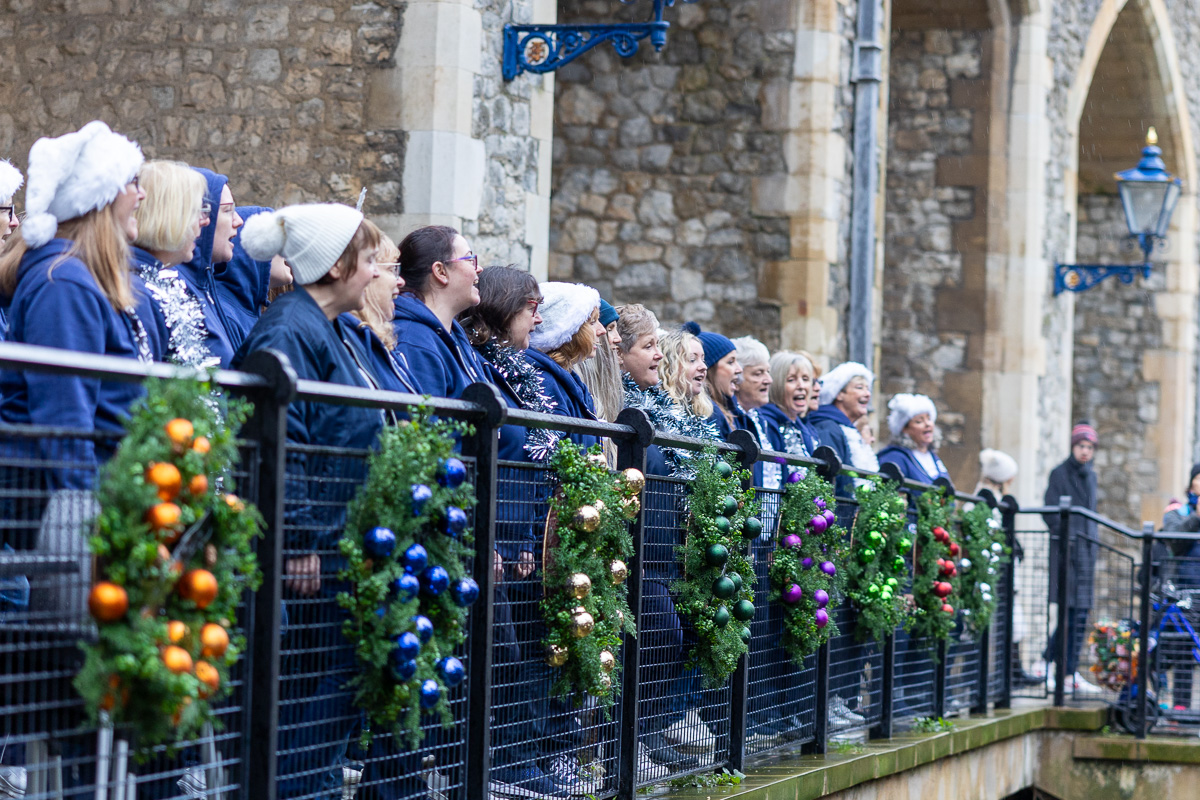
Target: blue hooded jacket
x,y
389,369
777,423
242,284
200,280
147,308
828,421
909,466
68,310
443,363
570,395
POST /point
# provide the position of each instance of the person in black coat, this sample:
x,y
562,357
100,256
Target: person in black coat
x,y
1076,479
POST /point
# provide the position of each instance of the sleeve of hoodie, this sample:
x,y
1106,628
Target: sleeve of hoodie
x,y
829,434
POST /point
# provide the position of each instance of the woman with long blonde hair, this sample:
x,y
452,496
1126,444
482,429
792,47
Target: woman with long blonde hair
x,y
684,373
373,322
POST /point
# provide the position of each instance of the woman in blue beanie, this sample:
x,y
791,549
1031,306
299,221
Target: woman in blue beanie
x,y
724,373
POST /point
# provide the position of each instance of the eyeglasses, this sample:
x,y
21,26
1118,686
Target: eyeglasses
x,y
392,266
534,305
225,208
11,211
205,211
474,259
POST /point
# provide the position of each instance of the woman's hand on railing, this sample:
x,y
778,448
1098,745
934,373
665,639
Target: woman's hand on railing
x,y
303,574
525,564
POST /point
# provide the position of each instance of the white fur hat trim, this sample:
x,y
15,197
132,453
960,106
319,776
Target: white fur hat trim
x,y
565,307
311,237
903,407
997,466
835,380
10,179
74,174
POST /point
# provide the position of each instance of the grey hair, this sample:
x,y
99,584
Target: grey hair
x,y
751,352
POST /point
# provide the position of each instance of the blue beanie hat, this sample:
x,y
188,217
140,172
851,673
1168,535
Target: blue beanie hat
x,y
608,314
715,345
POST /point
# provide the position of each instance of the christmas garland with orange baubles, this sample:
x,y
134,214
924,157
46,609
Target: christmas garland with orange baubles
x,y
174,554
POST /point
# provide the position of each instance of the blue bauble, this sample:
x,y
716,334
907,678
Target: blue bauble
x,y
421,494
424,628
430,693
407,646
415,558
379,542
434,580
381,612
456,521
452,671
406,586
403,670
465,592
451,473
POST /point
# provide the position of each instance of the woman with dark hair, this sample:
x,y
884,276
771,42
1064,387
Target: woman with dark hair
x,y
724,375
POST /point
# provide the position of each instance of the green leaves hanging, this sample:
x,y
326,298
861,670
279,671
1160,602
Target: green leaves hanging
x,y
877,567
935,574
586,606
984,553
805,576
406,544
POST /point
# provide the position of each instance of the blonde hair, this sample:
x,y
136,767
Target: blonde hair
x,y
174,193
374,315
782,363
674,346
580,347
633,322
812,361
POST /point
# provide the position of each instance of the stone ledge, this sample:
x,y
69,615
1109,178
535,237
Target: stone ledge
x,y
1160,750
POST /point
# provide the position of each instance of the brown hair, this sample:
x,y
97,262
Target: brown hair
x,y
504,292
375,317
367,236
419,251
633,322
580,347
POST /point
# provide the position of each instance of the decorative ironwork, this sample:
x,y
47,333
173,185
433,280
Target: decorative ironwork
x,y
1081,277
545,48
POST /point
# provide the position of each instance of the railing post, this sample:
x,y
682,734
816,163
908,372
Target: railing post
x,y
482,445
985,649
828,469
1064,575
1145,664
268,426
883,730
1008,518
740,679
632,453
939,680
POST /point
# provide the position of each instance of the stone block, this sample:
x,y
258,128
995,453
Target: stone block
x,y
268,23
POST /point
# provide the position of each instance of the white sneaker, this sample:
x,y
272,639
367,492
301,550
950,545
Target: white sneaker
x,y
193,783
568,773
647,770
351,778
13,782
689,734
840,715
1040,669
1084,688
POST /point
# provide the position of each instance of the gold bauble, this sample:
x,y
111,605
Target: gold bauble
x,y
620,619
635,481
608,661
599,506
556,656
618,572
581,622
587,518
598,459
605,682
579,585
630,507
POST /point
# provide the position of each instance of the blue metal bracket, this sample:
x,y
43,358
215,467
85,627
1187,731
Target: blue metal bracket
x,y
1081,277
545,48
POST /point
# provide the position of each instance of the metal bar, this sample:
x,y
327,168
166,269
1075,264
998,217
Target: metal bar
x,y
883,730
868,76
939,680
820,742
985,657
1094,517
740,679
1008,518
1064,575
1146,665
16,356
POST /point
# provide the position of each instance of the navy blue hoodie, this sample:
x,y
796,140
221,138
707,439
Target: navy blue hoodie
x,y
905,459
392,374
147,307
242,284
778,423
200,280
443,363
571,397
830,422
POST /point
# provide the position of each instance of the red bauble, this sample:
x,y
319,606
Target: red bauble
x,y
949,609
954,549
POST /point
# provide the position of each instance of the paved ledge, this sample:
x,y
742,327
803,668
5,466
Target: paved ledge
x,y
1156,749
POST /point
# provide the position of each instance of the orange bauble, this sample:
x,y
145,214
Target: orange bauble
x,y
202,445
198,486
199,586
207,674
166,478
234,502
178,715
163,516
108,602
180,431
176,630
177,659
214,641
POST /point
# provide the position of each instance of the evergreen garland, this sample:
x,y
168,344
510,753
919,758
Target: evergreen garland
x,y
586,605
406,543
715,592
934,572
174,554
984,553
877,567
807,552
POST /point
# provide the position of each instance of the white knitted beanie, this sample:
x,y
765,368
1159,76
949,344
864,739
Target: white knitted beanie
x,y
835,380
565,307
10,179
311,237
903,407
74,174
997,466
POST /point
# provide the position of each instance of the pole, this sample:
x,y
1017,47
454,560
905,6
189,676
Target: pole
x,y
1145,665
1064,575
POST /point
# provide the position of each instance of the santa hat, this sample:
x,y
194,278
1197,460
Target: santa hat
x,y
311,237
835,380
565,307
903,407
997,466
74,174
10,179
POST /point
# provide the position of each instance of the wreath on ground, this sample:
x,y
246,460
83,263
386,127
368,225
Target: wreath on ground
x,y
174,554
935,576
877,568
809,544
588,547
984,553
407,543
715,592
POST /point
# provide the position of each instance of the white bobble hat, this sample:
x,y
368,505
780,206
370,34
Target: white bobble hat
x,y
835,380
311,237
10,179
903,407
997,466
74,174
565,307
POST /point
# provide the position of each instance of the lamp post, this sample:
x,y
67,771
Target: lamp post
x,y
1148,197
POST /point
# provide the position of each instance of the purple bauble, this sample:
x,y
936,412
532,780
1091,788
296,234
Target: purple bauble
x,y
828,568
829,517
792,594
821,617
819,502
794,477
792,541
807,563
818,524
821,597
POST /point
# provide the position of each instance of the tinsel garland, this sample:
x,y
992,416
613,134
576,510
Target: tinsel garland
x,y
934,572
805,574
184,317
984,553
174,557
588,548
526,381
877,569
715,593
406,544
666,415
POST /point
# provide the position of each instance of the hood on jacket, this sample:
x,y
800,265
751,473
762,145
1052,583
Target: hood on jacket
x,y
246,279
202,258
829,412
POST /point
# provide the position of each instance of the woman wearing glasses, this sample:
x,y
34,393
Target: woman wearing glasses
x,y
373,322
10,181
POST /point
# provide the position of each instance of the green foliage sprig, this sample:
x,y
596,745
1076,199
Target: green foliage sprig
x,y
877,568
713,553
984,553
124,673
800,566
930,618
588,491
409,455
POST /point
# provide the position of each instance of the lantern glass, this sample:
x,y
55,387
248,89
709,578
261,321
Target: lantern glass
x,y
1143,203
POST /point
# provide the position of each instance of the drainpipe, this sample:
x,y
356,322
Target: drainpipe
x,y
866,75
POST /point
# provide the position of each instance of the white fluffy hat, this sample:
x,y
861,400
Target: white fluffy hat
x,y
311,237
10,179
74,174
997,466
835,380
903,407
565,307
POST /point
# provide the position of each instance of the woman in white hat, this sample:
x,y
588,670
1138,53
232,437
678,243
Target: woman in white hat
x,y
912,422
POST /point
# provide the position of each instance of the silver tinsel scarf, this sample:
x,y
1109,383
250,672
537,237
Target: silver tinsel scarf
x,y
184,317
668,416
526,381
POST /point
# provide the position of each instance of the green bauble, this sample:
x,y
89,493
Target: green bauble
x,y
743,610
752,528
721,616
868,553
746,635
729,505
716,554
872,589
724,470
723,588
904,545
892,582
875,537
885,596
737,581
898,564
722,524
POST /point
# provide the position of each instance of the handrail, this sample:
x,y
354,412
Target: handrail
x,y
18,356
1111,524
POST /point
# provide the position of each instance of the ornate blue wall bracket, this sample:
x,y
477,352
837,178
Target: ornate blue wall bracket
x,y
545,48
1081,277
